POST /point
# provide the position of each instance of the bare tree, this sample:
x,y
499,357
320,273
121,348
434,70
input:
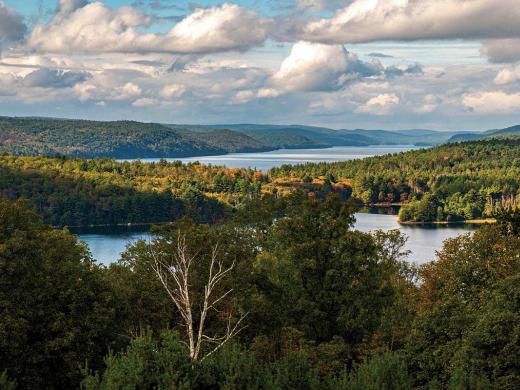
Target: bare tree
x,y
175,277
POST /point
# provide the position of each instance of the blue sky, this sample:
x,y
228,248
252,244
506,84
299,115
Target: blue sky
x,y
338,63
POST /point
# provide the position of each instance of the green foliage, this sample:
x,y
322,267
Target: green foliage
x,y
381,372
81,192
467,180
121,139
468,311
56,310
318,276
5,383
329,307
424,210
145,364
492,344
509,220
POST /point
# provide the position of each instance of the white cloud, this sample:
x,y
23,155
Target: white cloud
x,y
508,75
502,50
320,67
173,90
12,27
430,104
146,102
102,88
243,96
127,91
492,102
268,93
94,28
373,20
381,104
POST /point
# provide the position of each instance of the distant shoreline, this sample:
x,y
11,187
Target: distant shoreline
x,y
463,222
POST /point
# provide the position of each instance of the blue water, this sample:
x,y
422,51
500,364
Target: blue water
x,y
267,160
106,245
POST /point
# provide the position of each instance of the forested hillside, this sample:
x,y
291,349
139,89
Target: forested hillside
x,y
82,192
450,182
298,136
132,140
513,131
453,182
121,139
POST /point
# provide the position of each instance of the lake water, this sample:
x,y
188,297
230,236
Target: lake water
x,y
267,160
106,244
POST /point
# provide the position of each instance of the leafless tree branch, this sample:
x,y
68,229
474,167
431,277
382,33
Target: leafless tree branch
x,y
175,278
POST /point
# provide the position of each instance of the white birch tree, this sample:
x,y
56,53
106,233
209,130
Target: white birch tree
x,y
175,271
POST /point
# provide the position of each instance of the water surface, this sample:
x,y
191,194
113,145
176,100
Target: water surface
x,y
267,160
106,244
423,240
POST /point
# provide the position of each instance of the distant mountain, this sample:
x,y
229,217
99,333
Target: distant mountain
x,y
297,136
509,131
276,137
120,139
129,139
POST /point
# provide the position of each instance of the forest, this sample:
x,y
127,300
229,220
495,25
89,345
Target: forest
x,y
452,182
81,192
448,183
282,295
34,136
258,280
118,139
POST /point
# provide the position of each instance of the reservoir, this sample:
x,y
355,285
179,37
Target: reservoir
x,y
106,244
267,160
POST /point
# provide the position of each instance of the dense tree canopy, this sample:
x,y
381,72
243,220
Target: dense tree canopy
x,y
458,181
56,311
119,139
328,307
89,192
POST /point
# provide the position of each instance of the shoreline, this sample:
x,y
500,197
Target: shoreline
x,y
481,221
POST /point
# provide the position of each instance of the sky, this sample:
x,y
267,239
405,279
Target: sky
x,y
376,64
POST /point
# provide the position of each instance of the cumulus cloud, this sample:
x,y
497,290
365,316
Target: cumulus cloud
x,y
508,75
52,78
381,104
12,27
172,91
430,104
502,50
492,102
265,93
146,102
86,27
373,20
320,67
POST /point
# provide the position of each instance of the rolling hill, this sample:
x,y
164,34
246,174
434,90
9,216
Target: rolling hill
x,y
131,140
509,131
297,136
121,139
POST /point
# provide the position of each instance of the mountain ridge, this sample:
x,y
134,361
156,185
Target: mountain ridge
x,y
137,140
